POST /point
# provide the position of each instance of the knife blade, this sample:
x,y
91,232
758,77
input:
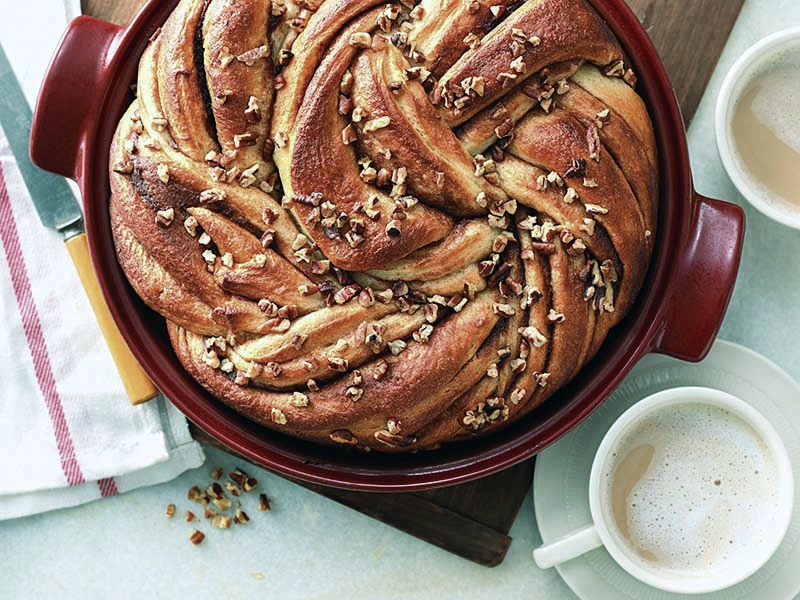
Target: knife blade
x,y
55,203
58,209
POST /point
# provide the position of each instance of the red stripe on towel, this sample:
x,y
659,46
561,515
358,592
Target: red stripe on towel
x,y
107,487
36,342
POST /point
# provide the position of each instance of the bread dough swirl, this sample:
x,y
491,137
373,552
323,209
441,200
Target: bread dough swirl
x,y
385,226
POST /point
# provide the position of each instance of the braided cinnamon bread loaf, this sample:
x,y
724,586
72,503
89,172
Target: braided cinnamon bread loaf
x,y
385,225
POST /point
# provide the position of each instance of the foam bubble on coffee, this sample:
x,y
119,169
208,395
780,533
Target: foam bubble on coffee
x,y
689,487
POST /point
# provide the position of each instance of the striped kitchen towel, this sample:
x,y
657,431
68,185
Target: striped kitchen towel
x,y
67,432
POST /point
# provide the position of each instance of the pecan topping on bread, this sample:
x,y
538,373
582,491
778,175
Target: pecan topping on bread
x,y
398,224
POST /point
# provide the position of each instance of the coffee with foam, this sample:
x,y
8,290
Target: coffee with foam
x,y
765,129
688,488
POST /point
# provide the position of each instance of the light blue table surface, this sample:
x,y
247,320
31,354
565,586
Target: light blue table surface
x,y
309,547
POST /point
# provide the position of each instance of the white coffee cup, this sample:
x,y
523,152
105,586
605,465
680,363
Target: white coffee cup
x,y
744,70
604,532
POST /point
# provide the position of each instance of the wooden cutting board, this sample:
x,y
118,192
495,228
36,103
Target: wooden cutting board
x,y
472,520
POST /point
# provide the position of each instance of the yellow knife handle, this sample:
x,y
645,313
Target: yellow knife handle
x,y
138,386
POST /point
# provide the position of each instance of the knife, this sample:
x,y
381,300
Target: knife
x,y
59,210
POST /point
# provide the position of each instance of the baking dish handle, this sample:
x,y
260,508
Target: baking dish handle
x,y
704,280
69,95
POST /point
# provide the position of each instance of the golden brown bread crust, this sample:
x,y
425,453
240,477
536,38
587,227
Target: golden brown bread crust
x,y
385,226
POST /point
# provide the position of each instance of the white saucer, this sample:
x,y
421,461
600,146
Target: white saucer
x,y
561,479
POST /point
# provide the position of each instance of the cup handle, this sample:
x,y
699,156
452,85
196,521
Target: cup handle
x,y
567,547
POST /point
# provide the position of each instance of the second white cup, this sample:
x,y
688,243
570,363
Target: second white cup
x,y
717,568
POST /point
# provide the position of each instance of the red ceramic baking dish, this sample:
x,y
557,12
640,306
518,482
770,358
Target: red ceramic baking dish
x,y
678,312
